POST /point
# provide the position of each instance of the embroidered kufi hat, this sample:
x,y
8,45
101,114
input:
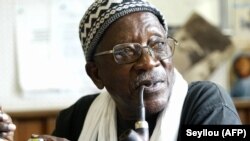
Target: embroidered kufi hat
x,y
102,13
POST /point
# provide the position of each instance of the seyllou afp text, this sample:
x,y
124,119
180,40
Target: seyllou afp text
x,y
216,132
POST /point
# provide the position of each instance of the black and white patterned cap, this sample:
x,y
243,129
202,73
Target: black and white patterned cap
x,y
102,13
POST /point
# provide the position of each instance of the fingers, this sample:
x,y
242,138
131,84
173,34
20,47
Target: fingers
x,y
6,123
6,136
7,128
4,117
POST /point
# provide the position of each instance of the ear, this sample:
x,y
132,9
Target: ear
x,y
92,71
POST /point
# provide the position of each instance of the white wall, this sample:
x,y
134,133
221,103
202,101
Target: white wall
x,y
11,97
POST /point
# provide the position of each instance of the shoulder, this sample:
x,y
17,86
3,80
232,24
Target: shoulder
x,y
80,106
70,121
85,100
204,86
208,103
206,91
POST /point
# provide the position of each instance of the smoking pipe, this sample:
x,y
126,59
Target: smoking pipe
x,y
141,132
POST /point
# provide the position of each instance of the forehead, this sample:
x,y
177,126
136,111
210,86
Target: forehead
x,y
133,27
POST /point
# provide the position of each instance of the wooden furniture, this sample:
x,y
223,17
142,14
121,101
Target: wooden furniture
x,y
243,108
33,122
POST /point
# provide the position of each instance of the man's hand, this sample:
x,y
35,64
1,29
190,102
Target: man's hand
x,y
7,128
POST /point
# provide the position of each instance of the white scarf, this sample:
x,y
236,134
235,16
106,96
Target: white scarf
x,y
100,122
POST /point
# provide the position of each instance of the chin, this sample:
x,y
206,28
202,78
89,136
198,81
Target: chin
x,y
155,106
158,102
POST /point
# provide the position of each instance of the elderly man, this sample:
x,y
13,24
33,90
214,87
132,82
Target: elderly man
x,y
129,52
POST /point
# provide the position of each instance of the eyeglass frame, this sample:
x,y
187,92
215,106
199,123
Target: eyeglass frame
x,y
176,43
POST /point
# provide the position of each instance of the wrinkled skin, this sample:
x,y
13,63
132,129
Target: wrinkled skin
x,y
7,128
123,81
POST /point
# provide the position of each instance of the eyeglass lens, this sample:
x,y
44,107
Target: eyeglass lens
x,y
130,52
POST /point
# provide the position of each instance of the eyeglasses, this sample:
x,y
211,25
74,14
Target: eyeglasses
x,y
161,48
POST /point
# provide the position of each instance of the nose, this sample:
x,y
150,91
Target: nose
x,y
147,61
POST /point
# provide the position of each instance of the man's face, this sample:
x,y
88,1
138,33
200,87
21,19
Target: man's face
x,y
123,81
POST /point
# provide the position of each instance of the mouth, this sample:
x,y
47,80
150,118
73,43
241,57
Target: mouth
x,y
151,86
155,82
